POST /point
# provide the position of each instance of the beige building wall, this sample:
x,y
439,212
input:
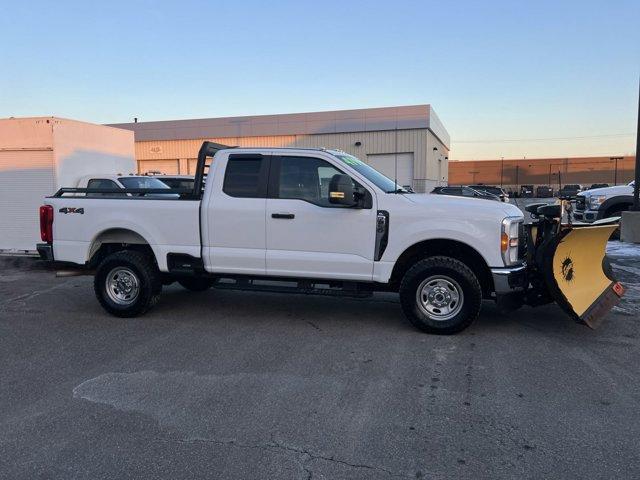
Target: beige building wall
x,y
430,166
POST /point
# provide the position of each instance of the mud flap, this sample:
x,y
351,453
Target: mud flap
x,y
578,275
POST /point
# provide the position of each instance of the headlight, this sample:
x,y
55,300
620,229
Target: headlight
x,y
509,240
595,201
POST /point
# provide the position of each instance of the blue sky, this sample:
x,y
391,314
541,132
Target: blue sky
x,y
493,70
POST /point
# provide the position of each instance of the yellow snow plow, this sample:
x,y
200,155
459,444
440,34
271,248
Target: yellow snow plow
x,y
567,264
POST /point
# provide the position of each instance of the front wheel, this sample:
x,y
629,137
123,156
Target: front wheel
x,y
440,295
127,283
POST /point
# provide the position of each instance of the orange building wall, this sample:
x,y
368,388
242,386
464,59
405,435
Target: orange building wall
x,y
542,171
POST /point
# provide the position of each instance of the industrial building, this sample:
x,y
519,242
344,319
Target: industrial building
x,y
408,141
554,172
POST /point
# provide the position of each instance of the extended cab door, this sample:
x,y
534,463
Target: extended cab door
x,y
309,237
235,237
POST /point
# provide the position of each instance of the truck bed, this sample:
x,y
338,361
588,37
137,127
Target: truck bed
x,y
167,225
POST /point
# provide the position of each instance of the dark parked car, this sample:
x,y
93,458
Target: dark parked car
x,y
497,191
526,191
570,190
544,191
598,185
464,192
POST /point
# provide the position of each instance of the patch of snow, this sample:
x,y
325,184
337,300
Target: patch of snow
x,y
634,270
623,249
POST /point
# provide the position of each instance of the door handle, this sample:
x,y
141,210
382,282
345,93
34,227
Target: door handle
x,y
286,216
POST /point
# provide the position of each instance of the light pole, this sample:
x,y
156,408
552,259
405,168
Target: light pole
x,y
615,169
636,187
501,170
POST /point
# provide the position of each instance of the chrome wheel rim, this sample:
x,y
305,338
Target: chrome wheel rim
x,y
123,286
440,297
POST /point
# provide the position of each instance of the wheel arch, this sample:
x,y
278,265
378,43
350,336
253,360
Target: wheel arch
x,y
445,247
114,239
614,204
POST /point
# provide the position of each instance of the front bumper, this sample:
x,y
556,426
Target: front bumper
x,y
587,216
45,251
509,279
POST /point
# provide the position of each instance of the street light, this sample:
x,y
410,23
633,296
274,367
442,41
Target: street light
x,y
636,187
615,170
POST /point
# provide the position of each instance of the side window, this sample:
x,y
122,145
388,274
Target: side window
x,y
306,178
103,183
244,177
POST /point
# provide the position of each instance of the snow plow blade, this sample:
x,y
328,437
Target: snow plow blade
x,y
578,275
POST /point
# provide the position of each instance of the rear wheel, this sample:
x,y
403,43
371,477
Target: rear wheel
x,y
196,284
127,283
440,295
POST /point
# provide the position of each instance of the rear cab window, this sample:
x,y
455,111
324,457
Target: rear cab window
x,y
246,176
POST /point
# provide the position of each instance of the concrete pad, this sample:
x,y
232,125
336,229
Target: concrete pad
x,y
630,227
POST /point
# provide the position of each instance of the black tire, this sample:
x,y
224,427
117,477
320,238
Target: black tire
x,y
196,284
137,267
440,280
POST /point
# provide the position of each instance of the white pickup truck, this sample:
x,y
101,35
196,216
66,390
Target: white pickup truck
x,y
305,221
605,202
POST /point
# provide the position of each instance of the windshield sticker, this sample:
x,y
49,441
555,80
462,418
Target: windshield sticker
x,y
350,160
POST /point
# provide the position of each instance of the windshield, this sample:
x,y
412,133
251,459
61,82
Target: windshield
x,y
378,179
142,182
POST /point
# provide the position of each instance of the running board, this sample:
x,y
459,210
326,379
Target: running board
x,y
306,287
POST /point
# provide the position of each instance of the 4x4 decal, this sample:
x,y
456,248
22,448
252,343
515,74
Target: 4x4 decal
x,y
72,210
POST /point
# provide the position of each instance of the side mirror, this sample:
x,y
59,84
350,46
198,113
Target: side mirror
x,y
341,191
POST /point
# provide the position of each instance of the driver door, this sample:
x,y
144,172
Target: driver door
x,y
309,237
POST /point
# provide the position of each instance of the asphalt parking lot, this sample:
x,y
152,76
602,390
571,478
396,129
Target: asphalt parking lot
x,y
239,386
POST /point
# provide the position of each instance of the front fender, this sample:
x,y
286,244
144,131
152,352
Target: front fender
x,y
613,202
485,239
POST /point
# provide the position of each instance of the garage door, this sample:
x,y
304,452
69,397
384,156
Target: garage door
x,y
26,177
168,167
385,163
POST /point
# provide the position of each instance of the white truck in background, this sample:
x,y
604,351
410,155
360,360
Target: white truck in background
x,y
319,221
120,183
605,202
